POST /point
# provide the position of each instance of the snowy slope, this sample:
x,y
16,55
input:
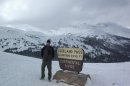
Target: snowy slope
x,y
14,38
93,39
72,35
16,70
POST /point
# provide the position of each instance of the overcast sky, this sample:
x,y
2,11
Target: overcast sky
x,y
41,13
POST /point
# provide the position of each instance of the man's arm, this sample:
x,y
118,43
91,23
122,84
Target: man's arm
x,y
52,52
42,53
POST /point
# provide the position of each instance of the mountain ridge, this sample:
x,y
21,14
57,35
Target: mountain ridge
x,y
103,47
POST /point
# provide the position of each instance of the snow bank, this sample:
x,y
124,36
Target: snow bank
x,y
16,70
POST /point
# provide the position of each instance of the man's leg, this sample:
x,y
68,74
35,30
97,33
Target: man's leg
x,y
43,69
49,67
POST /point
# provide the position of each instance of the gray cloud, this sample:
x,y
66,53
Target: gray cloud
x,y
51,13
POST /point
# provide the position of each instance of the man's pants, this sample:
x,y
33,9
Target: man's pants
x,y
48,64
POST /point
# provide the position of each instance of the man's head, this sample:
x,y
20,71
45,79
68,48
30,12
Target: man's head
x,y
48,42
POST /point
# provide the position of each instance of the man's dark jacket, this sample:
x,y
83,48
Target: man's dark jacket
x,y
47,53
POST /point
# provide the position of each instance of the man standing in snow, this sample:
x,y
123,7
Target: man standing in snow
x,y
47,54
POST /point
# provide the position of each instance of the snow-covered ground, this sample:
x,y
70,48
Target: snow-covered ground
x,y
16,70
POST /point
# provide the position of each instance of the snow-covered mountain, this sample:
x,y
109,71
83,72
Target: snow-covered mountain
x,y
99,29
16,70
105,42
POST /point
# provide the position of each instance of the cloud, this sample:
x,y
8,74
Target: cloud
x,y
51,13
106,11
35,11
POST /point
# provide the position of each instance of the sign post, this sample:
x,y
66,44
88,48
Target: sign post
x,y
71,58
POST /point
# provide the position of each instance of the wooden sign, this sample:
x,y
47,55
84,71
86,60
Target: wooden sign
x,y
71,58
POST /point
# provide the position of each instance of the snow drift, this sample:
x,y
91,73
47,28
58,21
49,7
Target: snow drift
x,y
16,70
